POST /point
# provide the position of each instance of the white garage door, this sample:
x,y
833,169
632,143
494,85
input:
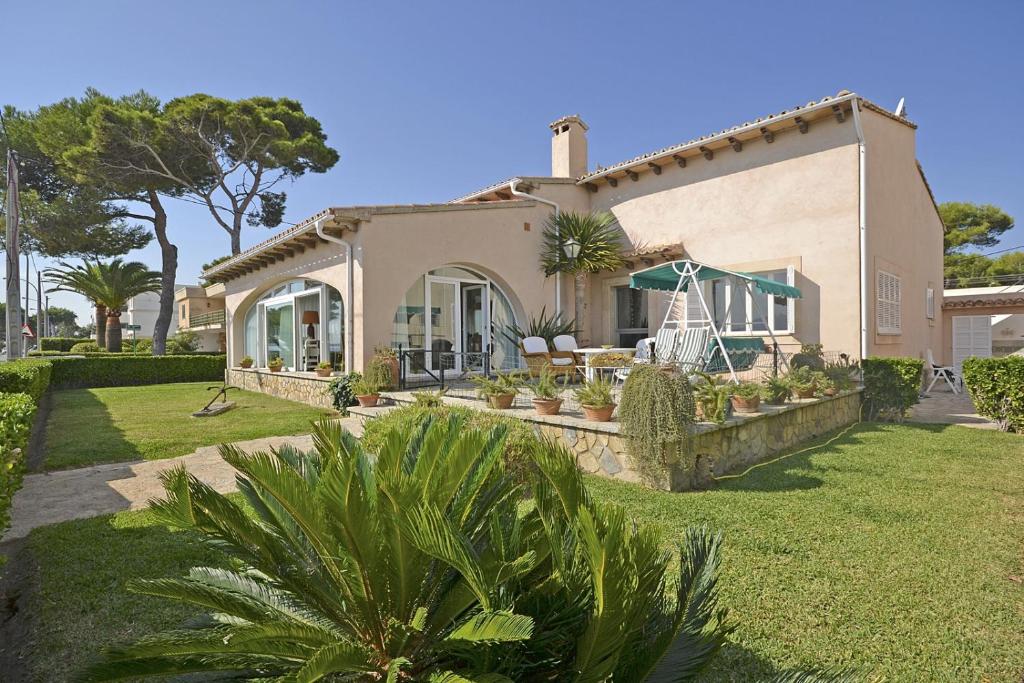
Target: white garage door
x,y
972,336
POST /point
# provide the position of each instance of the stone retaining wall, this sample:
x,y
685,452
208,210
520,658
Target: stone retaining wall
x,y
302,387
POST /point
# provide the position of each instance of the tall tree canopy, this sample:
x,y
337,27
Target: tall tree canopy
x,y
62,218
972,225
231,156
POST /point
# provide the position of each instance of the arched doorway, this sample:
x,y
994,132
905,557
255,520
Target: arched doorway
x,y
453,316
299,321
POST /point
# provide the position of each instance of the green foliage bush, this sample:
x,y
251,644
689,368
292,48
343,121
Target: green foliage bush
x,y
58,343
86,347
517,444
891,386
341,390
656,411
27,376
996,386
118,370
16,414
137,346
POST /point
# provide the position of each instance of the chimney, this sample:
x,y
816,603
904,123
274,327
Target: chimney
x,y
568,147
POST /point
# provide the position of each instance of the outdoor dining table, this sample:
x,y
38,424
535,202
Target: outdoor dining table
x,y
589,354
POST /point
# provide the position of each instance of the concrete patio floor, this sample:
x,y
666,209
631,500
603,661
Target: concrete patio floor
x,y
942,406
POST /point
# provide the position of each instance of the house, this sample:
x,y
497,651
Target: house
x,y
139,317
983,322
200,310
827,196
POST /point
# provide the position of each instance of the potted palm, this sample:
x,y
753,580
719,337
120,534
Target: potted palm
x,y
246,362
746,397
386,356
776,390
500,391
546,391
803,381
712,399
596,399
366,391
324,369
275,364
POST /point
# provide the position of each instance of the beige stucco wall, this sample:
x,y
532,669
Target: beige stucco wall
x,y
792,202
904,237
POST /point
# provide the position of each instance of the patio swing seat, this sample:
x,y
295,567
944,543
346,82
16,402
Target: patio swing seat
x,y
743,352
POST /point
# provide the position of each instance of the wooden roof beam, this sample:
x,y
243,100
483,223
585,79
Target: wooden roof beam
x,y
654,167
768,135
708,153
737,144
802,124
680,160
633,175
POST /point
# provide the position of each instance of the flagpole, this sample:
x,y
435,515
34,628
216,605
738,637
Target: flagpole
x,y
14,345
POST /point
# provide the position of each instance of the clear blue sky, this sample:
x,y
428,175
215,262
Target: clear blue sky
x,y
426,101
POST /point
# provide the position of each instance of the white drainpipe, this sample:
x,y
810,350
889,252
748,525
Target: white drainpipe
x,y
350,286
863,228
553,205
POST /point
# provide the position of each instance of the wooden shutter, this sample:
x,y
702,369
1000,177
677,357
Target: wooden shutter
x,y
888,314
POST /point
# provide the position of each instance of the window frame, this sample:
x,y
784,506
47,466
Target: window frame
x,y
929,303
749,312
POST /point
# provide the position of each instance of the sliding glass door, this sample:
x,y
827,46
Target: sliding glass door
x,y
280,319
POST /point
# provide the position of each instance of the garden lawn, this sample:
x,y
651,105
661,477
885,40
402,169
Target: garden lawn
x,y
88,426
897,550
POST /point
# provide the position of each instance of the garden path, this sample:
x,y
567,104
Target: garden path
x,y
63,495
942,406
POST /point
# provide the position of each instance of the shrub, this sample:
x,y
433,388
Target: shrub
x,y
891,386
712,396
518,440
182,343
16,414
656,412
811,356
378,371
421,562
58,343
86,347
996,386
118,370
26,376
137,346
341,391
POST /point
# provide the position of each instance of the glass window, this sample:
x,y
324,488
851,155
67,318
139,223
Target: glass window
x,y
746,312
630,316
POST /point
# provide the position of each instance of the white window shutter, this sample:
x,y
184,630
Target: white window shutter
x,y
888,314
929,303
694,314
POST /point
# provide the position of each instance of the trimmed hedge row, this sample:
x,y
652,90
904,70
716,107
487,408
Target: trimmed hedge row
x,y
891,386
27,376
58,343
16,414
996,386
120,370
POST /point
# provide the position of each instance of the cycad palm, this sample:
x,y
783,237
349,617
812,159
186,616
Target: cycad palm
x,y
600,245
109,286
420,564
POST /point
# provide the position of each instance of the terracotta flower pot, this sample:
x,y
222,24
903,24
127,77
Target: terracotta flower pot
x,y
324,372
368,401
599,413
830,392
275,368
547,406
501,401
245,364
745,405
806,393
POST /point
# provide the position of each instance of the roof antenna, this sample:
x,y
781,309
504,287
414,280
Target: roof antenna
x,y
901,107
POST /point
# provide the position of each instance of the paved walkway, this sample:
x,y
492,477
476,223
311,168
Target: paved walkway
x,y
942,406
64,495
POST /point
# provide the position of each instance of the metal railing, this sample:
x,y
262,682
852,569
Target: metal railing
x,y
984,281
209,318
436,367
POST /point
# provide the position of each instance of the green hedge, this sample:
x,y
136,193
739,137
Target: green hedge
x,y
59,343
518,442
27,376
996,386
119,370
891,386
16,414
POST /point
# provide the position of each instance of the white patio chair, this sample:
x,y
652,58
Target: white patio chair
x,y
566,343
943,372
535,353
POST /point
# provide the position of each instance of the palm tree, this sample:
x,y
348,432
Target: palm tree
x,y
419,563
600,248
108,285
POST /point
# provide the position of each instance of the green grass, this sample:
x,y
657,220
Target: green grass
x,y
898,549
88,426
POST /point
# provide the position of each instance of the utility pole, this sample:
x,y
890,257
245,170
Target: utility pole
x,y
40,319
13,348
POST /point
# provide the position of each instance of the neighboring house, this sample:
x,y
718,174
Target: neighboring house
x,y
201,310
983,321
139,317
828,196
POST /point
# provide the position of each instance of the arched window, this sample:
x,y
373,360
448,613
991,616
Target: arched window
x,y
300,322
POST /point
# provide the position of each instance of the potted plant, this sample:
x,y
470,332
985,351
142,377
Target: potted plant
x,y
746,397
840,374
712,399
387,357
275,364
367,392
776,390
324,369
246,362
546,391
500,391
803,381
596,399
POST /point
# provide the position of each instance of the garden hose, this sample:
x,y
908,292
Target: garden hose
x,y
843,432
